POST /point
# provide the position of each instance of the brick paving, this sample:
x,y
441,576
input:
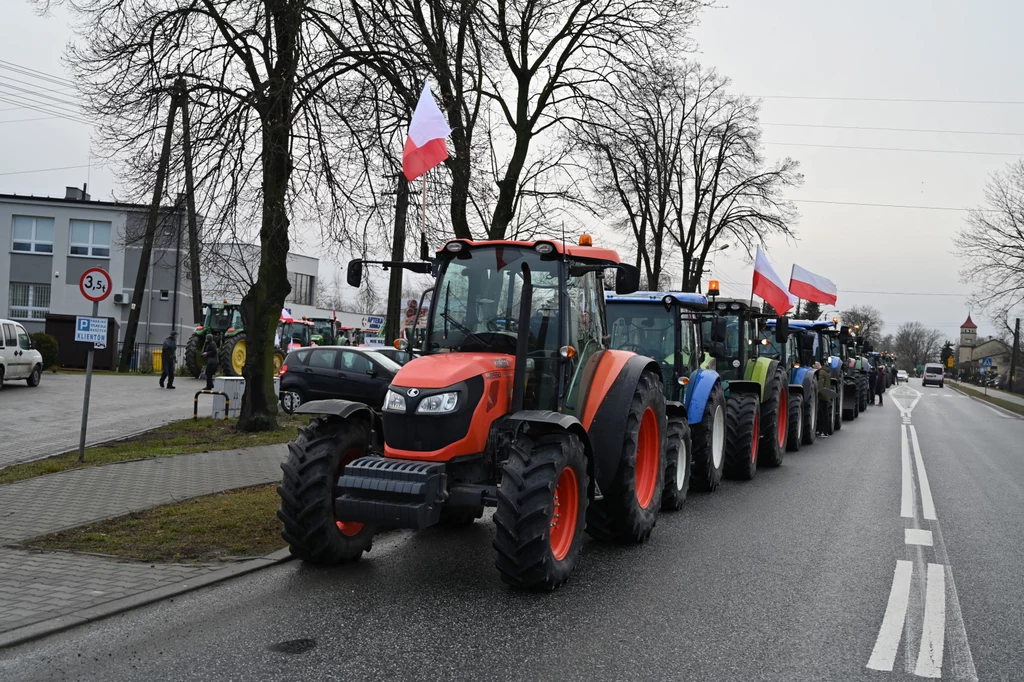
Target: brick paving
x,y
35,586
45,420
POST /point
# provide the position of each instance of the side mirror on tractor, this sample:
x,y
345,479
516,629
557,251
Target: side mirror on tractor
x,y
719,330
782,329
354,276
627,278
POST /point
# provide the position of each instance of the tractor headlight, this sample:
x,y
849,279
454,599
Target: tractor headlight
x,y
440,403
394,402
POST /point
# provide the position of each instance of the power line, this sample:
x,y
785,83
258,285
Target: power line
x,y
859,203
42,110
890,99
34,73
894,149
896,130
39,118
57,101
43,170
60,90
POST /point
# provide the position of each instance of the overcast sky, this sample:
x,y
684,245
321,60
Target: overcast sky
x,y
789,52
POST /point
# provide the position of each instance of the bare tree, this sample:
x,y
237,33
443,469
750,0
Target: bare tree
x,y
915,344
865,320
992,245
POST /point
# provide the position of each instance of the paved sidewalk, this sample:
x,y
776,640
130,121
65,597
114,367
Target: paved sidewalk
x,y
35,586
993,393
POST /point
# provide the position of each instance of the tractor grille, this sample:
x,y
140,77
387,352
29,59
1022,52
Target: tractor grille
x,y
425,433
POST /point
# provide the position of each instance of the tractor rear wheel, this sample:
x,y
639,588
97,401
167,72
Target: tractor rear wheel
x,y
796,423
810,418
840,400
232,355
742,436
677,464
194,355
848,411
542,507
278,362
308,490
629,507
774,419
828,417
708,458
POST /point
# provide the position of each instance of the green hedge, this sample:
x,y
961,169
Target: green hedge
x,y
47,346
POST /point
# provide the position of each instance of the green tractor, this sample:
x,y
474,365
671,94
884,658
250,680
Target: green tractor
x,y
732,337
325,331
223,321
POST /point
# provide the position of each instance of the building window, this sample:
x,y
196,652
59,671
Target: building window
x,y
29,301
302,288
90,238
32,235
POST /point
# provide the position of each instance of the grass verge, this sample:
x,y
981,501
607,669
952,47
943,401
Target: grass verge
x,y
176,438
237,523
1005,404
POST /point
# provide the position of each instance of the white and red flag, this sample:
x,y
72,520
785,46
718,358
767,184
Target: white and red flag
x,y
768,285
810,287
426,146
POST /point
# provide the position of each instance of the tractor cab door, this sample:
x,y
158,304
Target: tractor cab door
x,y
586,317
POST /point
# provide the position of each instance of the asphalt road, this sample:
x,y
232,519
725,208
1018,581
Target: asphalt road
x,y
804,573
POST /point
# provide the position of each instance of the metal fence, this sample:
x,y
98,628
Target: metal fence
x,y
142,356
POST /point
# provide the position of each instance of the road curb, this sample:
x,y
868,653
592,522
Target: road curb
x,y
52,626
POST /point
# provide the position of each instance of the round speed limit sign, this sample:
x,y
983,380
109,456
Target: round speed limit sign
x,y
95,284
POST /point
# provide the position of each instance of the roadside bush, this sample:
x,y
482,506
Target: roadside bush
x,y
47,347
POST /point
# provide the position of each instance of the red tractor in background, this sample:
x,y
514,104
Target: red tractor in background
x,y
517,403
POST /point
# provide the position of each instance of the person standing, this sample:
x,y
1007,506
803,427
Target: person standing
x,y
170,347
879,383
212,355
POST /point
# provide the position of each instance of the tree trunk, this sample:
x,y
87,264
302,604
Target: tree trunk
x,y
190,196
504,209
393,320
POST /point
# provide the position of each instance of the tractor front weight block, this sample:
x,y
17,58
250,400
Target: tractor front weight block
x,y
391,493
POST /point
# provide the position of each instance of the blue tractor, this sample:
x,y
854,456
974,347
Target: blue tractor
x,y
665,326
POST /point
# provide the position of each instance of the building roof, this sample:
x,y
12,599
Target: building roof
x,y
83,202
969,324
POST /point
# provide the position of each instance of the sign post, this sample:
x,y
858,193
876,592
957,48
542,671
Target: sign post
x,y
95,286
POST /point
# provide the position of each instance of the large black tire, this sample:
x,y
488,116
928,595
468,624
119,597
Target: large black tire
x,y
194,355
848,411
794,437
742,430
35,376
309,488
774,419
227,349
840,400
677,464
534,552
810,416
865,395
707,461
629,508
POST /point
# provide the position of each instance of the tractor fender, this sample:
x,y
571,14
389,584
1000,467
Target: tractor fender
x,y
343,409
548,421
796,389
697,392
674,408
760,370
752,387
608,423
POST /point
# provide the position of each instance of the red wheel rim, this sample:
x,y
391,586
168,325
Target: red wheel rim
x,y
347,528
783,416
757,437
648,450
564,514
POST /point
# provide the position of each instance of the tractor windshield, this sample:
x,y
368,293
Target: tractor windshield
x,y
222,318
647,329
477,298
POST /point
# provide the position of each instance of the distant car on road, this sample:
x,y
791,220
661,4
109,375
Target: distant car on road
x,y
933,374
18,359
358,374
902,377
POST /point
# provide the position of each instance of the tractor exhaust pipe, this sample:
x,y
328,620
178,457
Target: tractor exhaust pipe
x,y
522,337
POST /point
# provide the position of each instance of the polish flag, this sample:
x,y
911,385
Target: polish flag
x,y
425,147
768,285
810,287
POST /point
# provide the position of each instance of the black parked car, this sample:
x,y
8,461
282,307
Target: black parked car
x,y
344,372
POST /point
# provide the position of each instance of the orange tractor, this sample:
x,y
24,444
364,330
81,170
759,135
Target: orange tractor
x,y
517,403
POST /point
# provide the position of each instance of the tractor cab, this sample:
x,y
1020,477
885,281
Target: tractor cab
x,y
295,334
731,335
324,332
221,317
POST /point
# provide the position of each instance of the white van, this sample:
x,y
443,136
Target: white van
x,y
933,374
18,359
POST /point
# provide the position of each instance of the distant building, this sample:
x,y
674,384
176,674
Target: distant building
x,y
968,339
973,352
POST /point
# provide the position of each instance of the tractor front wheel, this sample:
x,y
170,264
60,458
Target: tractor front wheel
x,y
232,355
629,508
810,417
194,355
542,506
708,459
774,419
742,428
796,423
308,490
677,464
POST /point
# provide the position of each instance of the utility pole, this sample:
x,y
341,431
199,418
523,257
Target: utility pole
x,y
190,199
393,321
147,243
1014,359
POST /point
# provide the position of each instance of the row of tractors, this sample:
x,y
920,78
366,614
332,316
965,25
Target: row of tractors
x,y
568,411
223,322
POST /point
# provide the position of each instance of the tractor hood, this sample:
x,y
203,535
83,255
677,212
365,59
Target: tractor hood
x,y
446,369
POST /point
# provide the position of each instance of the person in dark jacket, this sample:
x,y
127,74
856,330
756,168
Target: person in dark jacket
x,y
879,383
212,355
170,347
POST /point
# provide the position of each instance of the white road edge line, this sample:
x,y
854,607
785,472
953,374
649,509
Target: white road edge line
x,y
907,501
933,633
883,656
1000,413
917,536
927,505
